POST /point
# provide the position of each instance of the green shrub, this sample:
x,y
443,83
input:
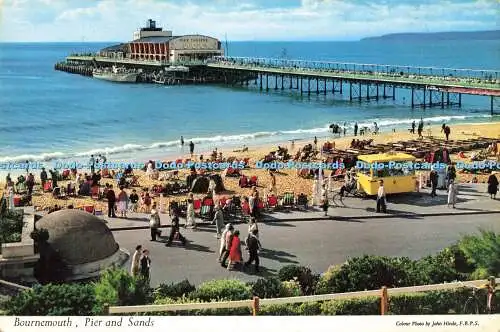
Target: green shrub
x,y
172,290
372,272
291,288
223,290
483,250
302,274
53,300
436,269
325,282
210,312
279,310
116,287
268,288
361,306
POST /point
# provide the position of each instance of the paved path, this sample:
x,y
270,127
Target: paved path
x,y
472,199
318,244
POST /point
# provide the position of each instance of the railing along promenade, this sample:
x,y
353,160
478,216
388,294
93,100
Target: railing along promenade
x,y
118,60
393,74
256,303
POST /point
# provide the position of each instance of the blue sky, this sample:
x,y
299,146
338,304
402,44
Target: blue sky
x,y
115,20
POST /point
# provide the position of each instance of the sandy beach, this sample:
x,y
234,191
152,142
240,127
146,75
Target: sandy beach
x,y
287,180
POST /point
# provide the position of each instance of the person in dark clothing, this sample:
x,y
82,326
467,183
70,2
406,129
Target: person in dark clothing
x,y
413,127
182,140
356,129
443,127
253,246
95,179
447,132
92,164
111,202
420,128
145,265
493,185
134,198
53,177
175,229
43,177
434,182
315,142
191,147
30,183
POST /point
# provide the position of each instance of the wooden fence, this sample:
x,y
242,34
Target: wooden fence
x,y
256,303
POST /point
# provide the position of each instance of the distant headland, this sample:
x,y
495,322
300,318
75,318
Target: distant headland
x,y
436,36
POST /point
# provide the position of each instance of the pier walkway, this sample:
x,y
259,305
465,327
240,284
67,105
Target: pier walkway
x,y
470,81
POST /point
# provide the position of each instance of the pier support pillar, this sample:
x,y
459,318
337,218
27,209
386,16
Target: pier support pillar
x,y
491,105
430,98
360,87
341,86
301,88
350,91
442,100
324,91
447,99
368,92
412,97
291,82
424,99
309,87
459,100
267,82
317,86
393,92
376,97
276,82
282,84
298,82
260,82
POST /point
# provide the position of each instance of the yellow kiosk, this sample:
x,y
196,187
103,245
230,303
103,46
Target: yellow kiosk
x,y
395,169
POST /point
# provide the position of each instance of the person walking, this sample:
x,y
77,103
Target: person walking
x,y
154,223
182,141
356,129
493,185
30,183
420,128
324,200
225,243
272,185
235,256
253,246
191,148
43,177
145,269
92,164
122,202
136,261
315,143
413,125
381,198
219,221
175,232
447,132
110,195
452,194
434,182
451,174
190,217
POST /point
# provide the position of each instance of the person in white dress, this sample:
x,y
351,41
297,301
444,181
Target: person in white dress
x,y
190,221
452,193
136,258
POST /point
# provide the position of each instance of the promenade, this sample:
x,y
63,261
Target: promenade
x,y
415,225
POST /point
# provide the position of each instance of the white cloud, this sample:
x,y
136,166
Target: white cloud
x,y
105,20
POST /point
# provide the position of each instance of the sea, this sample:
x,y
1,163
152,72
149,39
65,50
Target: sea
x,y
48,115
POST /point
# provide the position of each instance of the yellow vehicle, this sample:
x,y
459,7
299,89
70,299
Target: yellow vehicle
x,y
395,169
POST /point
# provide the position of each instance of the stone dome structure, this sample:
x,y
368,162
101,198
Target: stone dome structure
x,y
83,241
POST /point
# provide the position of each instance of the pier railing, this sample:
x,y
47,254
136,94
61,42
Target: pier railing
x,y
256,303
468,78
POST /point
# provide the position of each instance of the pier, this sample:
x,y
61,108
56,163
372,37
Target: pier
x,y
428,86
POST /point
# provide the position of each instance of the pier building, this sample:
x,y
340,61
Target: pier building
x,y
152,43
